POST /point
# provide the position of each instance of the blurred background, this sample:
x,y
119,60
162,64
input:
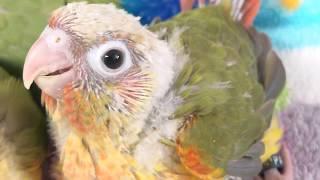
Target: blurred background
x,y
292,25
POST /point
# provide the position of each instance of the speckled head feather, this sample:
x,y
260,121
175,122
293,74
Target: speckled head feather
x,y
90,20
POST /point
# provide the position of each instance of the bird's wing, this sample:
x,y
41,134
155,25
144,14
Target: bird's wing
x,y
229,86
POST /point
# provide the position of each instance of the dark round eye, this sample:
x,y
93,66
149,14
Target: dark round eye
x,y
113,59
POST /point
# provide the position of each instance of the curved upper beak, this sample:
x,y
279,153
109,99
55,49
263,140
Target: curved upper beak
x,y
48,66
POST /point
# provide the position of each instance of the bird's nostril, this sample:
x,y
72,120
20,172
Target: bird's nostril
x,y
58,39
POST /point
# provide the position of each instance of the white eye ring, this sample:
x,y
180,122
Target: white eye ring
x,y
98,63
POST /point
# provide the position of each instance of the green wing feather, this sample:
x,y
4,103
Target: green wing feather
x,y
226,84
23,137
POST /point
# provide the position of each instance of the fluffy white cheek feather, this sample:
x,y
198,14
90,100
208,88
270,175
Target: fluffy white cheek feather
x,y
303,74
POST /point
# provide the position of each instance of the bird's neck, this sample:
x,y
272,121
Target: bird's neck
x,y
89,148
94,157
86,150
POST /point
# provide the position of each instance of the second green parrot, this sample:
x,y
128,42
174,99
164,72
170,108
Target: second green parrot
x,y
23,136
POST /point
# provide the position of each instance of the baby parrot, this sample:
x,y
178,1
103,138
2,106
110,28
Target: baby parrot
x,y
22,132
168,102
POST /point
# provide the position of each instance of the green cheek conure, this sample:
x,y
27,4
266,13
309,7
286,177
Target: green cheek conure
x,y
188,98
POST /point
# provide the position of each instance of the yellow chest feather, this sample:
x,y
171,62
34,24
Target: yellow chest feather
x,y
85,159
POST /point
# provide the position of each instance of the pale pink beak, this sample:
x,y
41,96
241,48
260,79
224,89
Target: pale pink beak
x,y
48,65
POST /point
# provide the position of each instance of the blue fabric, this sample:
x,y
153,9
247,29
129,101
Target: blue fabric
x,y
289,30
150,9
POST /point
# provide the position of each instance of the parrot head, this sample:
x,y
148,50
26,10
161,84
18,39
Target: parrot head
x,y
100,58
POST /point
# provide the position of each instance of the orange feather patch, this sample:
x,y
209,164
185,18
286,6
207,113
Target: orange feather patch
x,y
72,106
191,160
54,19
250,9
